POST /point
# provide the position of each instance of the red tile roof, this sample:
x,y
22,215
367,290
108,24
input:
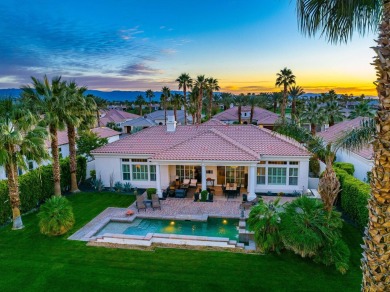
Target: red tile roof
x,y
116,116
336,131
262,116
213,122
215,142
104,132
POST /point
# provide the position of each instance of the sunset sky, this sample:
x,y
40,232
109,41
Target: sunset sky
x,y
136,45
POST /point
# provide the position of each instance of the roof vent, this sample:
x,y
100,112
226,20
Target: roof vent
x,y
171,124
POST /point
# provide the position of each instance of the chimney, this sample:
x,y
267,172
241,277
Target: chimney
x,y
171,124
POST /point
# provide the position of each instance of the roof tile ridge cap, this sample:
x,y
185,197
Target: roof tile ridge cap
x,y
234,142
284,138
181,142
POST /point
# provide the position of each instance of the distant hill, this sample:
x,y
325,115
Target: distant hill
x,y
119,95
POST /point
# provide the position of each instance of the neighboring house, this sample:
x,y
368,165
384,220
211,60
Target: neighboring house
x,y
115,116
261,117
254,157
121,107
362,159
159,117
137,124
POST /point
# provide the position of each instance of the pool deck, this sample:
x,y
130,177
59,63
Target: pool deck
x,y
171,208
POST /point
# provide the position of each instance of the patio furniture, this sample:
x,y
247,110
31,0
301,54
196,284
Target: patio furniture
x,y
181,193
185,183
140,203
171,192
193,182
196,197
211,197
210,182
156,202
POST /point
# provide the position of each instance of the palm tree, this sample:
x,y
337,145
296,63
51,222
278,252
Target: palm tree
x,y
295,92
337,20
140,101
192,107
81,114
333,112
176,101
314,115
362,110
276,97
48,99
284,78
201,84
101,103
165,96
240,100
226,99
150,95
20,138
185,82
211,85
253,101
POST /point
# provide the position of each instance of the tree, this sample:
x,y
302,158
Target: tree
x,y
201,84
362,110
81,114
253,101
140,101
101,103
211,86
165,96
240,100
337,21
185,82
226,99
88,141
333,112
47,98
276,97
295,92
176,101
20,139
193,105
150,95
284,78
314,115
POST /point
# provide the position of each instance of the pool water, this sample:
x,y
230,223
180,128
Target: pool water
x,y
213,227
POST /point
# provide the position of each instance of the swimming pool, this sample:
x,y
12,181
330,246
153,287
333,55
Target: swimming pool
x,y
213,227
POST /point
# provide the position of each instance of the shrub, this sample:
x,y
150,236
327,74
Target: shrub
x,y
203,196
127,187
92,173
118,186
314,166
348,167
56,216
97,184
354,197
150,192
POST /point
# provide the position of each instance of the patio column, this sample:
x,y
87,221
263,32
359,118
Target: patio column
x,y
158,181
204,187
252,182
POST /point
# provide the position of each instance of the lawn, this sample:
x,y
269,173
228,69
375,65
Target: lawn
x,y
33,262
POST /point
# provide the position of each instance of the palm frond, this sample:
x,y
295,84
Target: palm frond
x,y
357,138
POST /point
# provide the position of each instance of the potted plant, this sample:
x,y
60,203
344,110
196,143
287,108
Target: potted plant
x,y
203,195
150,192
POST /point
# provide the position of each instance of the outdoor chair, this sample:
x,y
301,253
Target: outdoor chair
x,y
180,193
140,203
185,183
211,197
156,202
193,182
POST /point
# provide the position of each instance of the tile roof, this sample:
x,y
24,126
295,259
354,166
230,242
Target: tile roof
x,y
139,122
208,142
160,115
104,132
116,116
336,131
262,116
213,122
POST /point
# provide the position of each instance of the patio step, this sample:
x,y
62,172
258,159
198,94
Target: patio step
x,y
232,242
240,245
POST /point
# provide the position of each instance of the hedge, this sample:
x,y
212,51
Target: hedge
x,y
354,197
348,167
37,185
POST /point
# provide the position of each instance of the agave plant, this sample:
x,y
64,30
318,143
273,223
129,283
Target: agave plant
x,y
56,216
118,186
127,187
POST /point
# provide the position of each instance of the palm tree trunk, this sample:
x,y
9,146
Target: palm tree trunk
x,y
56,160
331,121
275,105
185,104
13,191
72,158
252,110
313,129
175,112
98,117
210,104
150,104
239,114
140,110
193,118
293,108
284,102
165,112
199,111
376,256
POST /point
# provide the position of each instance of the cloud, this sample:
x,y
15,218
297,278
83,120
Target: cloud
x,y
168,51
139,69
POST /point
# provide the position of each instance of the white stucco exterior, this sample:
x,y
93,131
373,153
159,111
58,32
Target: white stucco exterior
x,y
362,165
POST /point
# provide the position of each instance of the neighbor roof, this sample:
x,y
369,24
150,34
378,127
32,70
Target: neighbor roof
x,y
262,116
206,142
160,115
140,122
336,131
104,132
116,116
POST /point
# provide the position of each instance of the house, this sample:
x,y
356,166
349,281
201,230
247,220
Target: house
x,y
115,116
261,117
137,124
361,159
159,116
254,157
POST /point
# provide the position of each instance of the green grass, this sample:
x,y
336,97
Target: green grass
x,y
30,261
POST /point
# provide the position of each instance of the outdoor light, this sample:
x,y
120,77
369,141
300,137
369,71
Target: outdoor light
x,y
172,222
224,221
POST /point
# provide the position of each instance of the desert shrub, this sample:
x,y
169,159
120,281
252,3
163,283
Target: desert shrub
x,y
264,220
309,230
56,216
97,184
348,167
127,187
92,173
354,197
118,186
150,192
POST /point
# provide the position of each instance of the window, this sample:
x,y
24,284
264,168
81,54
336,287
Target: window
x,y
293,163
126,171
293,177
139,160
185,171
261,175
276,176
153,173
30,165
277,162
140,172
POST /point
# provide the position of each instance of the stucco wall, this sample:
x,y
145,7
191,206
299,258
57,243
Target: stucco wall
x,y
362,166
